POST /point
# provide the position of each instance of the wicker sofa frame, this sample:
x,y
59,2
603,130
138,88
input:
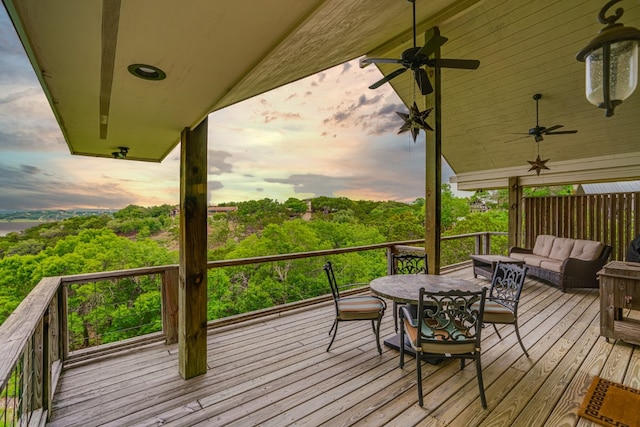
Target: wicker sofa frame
x,y
574,273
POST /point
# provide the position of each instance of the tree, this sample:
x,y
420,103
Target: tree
x,y
453,251
295,205
130,212
452,208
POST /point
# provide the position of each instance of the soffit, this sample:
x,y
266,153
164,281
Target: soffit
x,y
215,53
219,53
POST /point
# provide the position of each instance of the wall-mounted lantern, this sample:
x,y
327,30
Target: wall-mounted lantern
x,y
611,62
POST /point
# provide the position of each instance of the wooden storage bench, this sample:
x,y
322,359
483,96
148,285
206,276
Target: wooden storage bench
x,y
620,292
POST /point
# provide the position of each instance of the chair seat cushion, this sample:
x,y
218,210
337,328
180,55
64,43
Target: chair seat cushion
x,y
497,313
447,336
360,307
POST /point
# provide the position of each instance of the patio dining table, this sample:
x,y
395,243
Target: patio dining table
x,y
405,289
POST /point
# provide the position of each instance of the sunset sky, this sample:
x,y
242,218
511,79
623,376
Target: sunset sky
x,y
326,135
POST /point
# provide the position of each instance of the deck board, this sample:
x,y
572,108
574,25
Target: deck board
x,y
275,372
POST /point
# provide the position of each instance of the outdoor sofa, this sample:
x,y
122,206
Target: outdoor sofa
x,y
566,263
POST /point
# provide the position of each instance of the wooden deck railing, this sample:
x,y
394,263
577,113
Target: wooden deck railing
x,y
35,338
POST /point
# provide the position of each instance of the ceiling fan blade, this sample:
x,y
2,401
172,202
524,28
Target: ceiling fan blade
x,y
517,139
562,132
387,78
552,128
423,81
465,64
365,61
432,45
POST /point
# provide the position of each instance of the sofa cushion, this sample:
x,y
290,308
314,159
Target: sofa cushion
x,y
543,244
552,265
586,250
519,255
561,248
534,260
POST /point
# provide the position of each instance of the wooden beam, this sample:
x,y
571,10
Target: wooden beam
x,y
192,304
110,24
433,171
515,212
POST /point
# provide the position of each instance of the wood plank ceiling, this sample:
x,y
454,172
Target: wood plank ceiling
x,y
217,53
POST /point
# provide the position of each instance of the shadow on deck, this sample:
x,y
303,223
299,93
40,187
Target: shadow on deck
x,y
274,372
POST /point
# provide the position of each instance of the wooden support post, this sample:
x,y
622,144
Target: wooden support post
x,y
192,305
433,177
486,241
515,212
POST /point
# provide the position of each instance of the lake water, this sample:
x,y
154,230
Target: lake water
x,y
10,227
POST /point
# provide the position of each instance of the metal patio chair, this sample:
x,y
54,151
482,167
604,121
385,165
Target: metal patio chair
x,y
358,307
502,303
448,325
407,264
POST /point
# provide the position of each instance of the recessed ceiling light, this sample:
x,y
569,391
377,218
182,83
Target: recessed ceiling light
x,y
147,72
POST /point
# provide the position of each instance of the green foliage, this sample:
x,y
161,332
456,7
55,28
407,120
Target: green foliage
x,y
26,247
46,235
254,215
295,205
89,251
112,310
256,286
454,251
452,208
131,212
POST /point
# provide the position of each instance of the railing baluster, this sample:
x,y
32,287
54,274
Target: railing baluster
x,y
170,297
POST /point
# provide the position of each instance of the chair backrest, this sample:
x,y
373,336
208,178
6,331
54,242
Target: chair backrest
x,y
450,322
409,264
506,284
328,268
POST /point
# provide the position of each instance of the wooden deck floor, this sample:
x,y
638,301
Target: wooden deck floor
x,y
275,372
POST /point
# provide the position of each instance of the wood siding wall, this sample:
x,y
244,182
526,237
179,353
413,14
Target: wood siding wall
x,y
609,218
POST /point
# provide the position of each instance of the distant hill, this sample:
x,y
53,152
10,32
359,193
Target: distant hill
x,y
49,215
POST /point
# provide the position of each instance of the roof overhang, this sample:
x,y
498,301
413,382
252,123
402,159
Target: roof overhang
x,y
217,53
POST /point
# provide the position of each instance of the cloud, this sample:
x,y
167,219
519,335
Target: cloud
x,y
217,162
30,170
347,117
20,94
318,185
28,187
26,121
362,100
270,116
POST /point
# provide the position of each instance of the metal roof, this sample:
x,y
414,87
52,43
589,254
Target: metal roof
x,y
609,187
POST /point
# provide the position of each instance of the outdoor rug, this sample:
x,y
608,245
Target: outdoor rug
x,y
611,404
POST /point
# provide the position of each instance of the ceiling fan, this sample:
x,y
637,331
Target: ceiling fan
x,y
538,131
416,57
